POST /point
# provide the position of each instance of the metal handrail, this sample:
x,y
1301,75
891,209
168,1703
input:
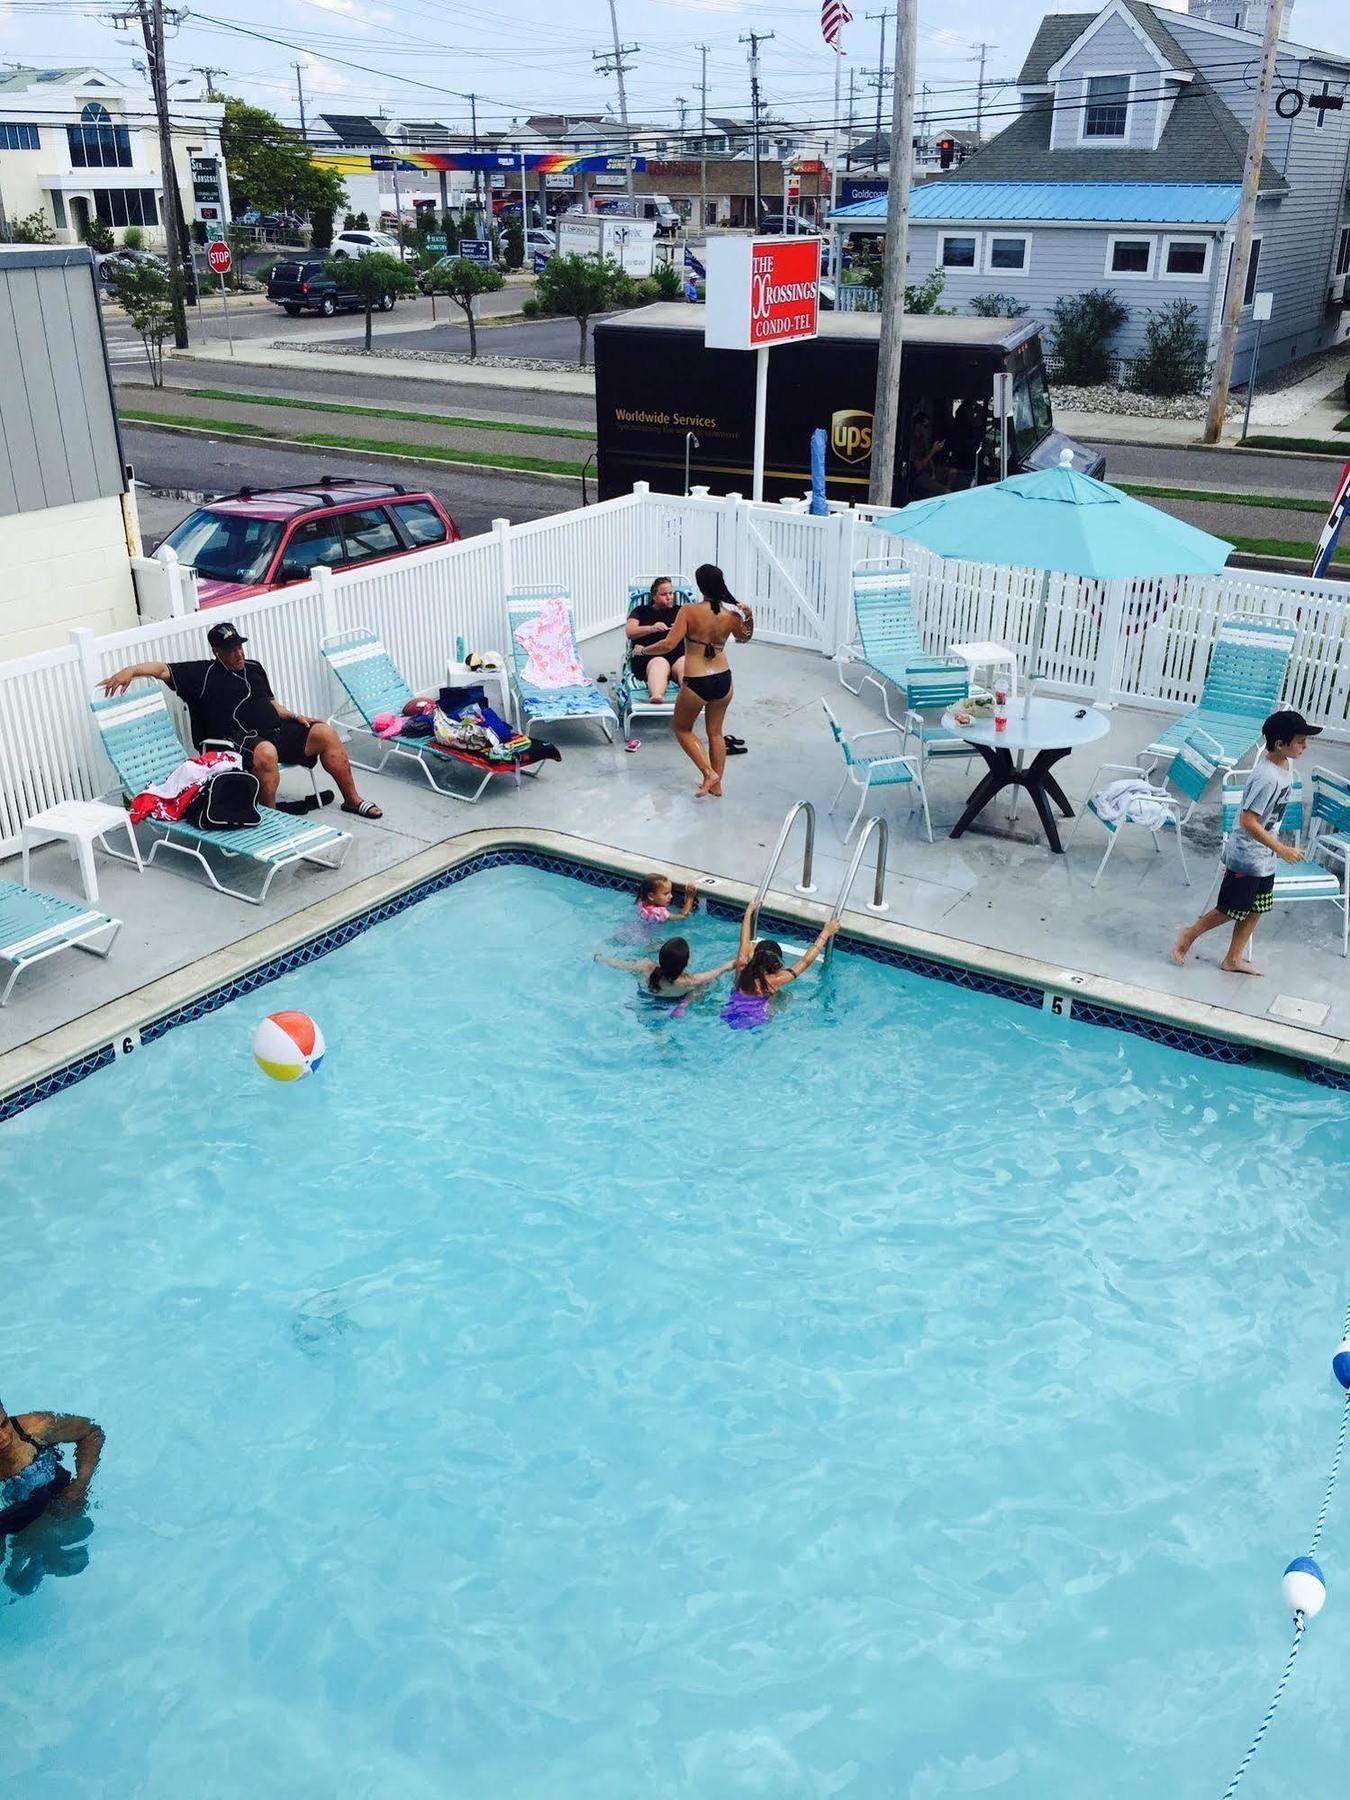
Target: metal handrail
x,y
877,903
805,885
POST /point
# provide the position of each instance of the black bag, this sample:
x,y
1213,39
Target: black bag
x,y
227,803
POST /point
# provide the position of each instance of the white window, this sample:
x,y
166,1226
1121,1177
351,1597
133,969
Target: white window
x,y
1130,258
1343,253
1106,107
1186,258
1007,253
959,250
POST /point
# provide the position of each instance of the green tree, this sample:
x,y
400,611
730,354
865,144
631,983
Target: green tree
x,y
98,235
1080,340
270,166
142,291
1174,357
321,222
575,287
463,281
377,278
134,238
669,282
514,239
997,306
33,228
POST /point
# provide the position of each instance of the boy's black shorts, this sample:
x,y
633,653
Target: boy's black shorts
x,y
1242,895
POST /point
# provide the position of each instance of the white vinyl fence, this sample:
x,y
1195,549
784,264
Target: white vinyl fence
x,y
1145,643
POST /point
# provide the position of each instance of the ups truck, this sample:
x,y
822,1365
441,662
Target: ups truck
x,y
656,384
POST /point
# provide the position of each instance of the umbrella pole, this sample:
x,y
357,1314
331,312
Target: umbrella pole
x,y
1037,641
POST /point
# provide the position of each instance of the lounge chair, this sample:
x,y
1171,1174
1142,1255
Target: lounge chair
x,y
373,684
868,771
536,701
143,747
1160,809
934,687
633,698
892,650
1325,872
34,925
1242,688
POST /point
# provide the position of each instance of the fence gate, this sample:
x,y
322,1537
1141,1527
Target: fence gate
x,y
785,568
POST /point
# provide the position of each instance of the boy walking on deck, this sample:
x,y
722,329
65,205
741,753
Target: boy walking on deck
x,y
1250,849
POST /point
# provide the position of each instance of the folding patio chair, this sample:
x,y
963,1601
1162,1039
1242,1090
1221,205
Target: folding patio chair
x,y
867,771
1153,806
543,640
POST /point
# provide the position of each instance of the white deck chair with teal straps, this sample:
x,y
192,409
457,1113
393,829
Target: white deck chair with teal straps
x,y
867,770
1164,807
888,635
1324,874
34,925
931,689
633,697
538,701
143,747
1242,688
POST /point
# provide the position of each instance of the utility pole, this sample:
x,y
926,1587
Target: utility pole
x,y
1246,219
151,15
477,173
755,39
886,406
703,137
682,101
300,91
880,80
616,62
983,50
210,74
848,130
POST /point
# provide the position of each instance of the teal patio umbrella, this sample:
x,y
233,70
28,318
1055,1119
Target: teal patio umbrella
x,y
1058,520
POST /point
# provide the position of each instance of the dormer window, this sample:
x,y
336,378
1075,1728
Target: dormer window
x,y
1107,107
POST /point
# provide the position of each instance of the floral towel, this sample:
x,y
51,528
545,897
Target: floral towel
x,y
550,653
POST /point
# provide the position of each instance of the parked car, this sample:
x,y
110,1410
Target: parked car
x,y
645,206
298,287
786,224
363,243
260,538
441,262
540,240
110,261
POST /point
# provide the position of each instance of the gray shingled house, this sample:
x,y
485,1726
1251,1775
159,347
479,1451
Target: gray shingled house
x,y
1123,170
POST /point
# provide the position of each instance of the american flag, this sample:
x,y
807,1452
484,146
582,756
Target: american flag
x,y
834,15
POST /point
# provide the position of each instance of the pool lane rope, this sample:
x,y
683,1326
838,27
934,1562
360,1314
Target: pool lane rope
x,y
1304,1585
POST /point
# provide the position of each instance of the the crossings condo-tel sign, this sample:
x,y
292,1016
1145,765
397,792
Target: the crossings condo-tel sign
x,y
762,291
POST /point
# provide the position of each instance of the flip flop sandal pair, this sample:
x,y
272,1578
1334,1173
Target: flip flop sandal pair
x,y
310,803
736,746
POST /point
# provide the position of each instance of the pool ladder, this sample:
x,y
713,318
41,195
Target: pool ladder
x,y
876,825
877,904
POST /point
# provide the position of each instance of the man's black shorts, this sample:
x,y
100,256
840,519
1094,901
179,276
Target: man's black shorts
x,y
1242,895
288,737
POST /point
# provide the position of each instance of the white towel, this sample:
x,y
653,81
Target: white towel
x,y
1131,798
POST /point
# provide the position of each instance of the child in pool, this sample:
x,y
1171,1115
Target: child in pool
x,y
656,896
760,973
666,976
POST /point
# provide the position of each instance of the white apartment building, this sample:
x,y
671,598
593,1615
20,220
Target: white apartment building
x,y
76,144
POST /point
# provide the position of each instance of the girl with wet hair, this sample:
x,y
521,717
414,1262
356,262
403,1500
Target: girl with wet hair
x,y
666,976
760,973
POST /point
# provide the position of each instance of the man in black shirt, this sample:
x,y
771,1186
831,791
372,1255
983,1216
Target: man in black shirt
x,y
230,701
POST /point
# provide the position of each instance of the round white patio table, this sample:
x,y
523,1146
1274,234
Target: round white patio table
x,y
1052,728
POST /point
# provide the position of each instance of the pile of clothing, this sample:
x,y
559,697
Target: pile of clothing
x,y
210,790
460,720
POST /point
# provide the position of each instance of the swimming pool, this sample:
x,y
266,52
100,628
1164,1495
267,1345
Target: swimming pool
x,y
919,1397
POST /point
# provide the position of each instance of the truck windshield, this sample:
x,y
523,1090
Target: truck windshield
x,y
1031,406
225,546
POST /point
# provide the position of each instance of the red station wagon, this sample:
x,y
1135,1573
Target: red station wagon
x,y
262,538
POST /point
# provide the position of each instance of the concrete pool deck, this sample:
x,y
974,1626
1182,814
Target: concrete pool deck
x,y
996,895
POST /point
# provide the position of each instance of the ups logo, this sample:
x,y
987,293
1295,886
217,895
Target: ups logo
x,y
851,435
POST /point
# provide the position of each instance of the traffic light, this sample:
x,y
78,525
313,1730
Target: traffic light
x,y
946,151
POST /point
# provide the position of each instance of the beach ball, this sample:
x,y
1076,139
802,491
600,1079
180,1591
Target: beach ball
x,y
1340,1363
1304,1587
288,1046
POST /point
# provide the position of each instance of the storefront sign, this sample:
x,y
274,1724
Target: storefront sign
x,y
560,181
761,291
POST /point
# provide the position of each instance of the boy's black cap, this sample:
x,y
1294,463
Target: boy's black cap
x,y
1287,724
224,637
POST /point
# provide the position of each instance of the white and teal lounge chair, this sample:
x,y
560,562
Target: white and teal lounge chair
x,y
1161,809
1325,872
34,925
888,636
1242,688
633,698
143,747
535,703
868,771
373,684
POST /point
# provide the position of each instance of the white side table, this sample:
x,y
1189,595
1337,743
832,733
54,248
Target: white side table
x,y
989,656
456,675
81,824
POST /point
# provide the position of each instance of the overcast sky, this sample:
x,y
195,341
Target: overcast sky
x,y
407,57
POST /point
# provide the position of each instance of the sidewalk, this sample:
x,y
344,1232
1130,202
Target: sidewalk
x,y
267,356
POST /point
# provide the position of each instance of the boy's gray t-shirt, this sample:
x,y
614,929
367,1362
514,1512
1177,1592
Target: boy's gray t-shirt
x,y
1266,794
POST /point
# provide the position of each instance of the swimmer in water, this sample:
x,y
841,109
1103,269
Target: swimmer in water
x,y
33,1479
667,975
656,897
760,973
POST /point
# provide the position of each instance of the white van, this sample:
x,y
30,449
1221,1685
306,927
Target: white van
x,y
653,207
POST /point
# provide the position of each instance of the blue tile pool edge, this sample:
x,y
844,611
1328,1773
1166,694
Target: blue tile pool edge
x,y
1211,1046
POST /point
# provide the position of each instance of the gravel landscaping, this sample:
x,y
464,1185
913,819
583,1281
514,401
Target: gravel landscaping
x,y
542,365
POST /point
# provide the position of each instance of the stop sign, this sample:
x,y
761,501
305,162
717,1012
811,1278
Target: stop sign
x,y
218,257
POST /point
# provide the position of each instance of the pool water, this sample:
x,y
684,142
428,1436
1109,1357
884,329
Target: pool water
x,y
556,1397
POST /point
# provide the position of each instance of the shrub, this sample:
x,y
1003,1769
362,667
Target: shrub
x,y
198,230
33,228
349,222
134,238
513,239
321,221
644,291
530,308
668,282
924,296
997,306
99,236
1173,360
144,294
1084,325
362,222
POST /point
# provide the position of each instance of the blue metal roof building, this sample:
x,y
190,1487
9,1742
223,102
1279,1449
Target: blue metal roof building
x,y
1057,202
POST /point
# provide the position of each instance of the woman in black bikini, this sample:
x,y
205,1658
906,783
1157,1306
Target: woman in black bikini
x,y
704,627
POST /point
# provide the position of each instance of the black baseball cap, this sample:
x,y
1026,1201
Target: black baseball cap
x,y
224,637
1283,726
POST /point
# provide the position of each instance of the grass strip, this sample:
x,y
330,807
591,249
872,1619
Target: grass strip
x,y
324,440
1279,502
387,412
1303,553
1342,424
1309,446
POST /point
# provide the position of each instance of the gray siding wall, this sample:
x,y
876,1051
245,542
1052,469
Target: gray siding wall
x,y
1114,50
1064,260
58,431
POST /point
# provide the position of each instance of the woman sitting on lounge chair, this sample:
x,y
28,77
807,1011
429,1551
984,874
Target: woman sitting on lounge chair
x,y
648,624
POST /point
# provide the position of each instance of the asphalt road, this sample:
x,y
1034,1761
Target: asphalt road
x,y
178,469
1221,471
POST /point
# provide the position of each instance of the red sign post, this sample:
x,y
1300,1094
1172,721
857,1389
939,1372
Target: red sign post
x,y
218,257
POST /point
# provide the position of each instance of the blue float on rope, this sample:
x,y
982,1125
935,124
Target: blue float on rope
x,y
1304,1587
1340,1363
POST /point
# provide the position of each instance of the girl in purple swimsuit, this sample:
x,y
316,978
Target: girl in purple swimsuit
x,y
760,974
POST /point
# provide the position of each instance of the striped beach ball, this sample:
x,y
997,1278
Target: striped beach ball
x,y
288,1046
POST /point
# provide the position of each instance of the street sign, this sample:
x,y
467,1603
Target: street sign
x,y
437,241
477,250
219,257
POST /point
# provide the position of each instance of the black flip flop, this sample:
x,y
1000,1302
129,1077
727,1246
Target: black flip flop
x,y
735,747
310,803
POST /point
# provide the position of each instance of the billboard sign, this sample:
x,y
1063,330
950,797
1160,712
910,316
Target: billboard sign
x,y
762,291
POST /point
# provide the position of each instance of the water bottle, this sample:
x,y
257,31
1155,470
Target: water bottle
x,y
1000,706
459,651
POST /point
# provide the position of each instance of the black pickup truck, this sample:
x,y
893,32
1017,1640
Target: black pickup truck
x,y
298,287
